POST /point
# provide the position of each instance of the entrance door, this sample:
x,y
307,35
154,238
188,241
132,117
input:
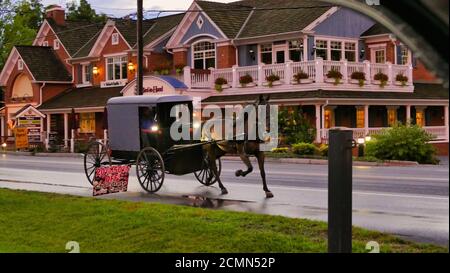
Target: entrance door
x,y
280,57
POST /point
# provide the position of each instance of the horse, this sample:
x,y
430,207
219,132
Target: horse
x,y
244,148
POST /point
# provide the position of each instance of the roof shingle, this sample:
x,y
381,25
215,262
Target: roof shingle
x,y
44,64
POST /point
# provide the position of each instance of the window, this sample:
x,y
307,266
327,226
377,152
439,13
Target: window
x,y
350,52
87,123
115,39
87,73
322,49
420,121
56,44
45,43
266,53
392,116
116,68
380,56
204,55
336,50
20,65
296,50
404,55
328,119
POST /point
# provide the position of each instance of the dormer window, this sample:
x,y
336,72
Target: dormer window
x,y
204,54
20,65
56,44
45,43
115,39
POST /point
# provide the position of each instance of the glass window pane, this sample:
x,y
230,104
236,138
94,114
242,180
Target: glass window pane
x,y
110,72
321,44
210,63
322,53
336,55
124,71
296,55
198,64
266,58
116,71
350,56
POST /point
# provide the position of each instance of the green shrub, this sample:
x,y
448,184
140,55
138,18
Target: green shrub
x,y
272,78
401,78
383,78
304,149
410,143
280,150
294,127
323,150
336,75
359,76
81,147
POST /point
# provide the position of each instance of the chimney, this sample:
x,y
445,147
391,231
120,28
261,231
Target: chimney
x,y
56,13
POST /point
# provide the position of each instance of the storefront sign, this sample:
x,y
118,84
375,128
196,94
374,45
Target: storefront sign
x,y
33,124
154,89
113,83
21,136
156,86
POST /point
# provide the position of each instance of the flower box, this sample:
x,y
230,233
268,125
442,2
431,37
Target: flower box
x,y
302,81
252,84
275,83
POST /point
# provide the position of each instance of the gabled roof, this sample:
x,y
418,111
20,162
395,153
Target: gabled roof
x,y
43,64
127,28
228,17
161,26
75,34
276,21
376,29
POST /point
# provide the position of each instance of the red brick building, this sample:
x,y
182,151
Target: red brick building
x,y
99,62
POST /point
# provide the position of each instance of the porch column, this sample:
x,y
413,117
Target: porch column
x,y
366,120
49,119
235,82
446,122
2,125
408,114
66,130
187,76
318,124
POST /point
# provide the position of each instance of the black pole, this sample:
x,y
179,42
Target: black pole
x,y
140,46
340,191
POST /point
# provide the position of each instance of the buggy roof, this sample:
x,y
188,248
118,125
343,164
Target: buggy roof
x,y
148,100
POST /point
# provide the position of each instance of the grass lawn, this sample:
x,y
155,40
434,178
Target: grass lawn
x,y
37,222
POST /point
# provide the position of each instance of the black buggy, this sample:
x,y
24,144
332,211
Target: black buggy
x,y
139,134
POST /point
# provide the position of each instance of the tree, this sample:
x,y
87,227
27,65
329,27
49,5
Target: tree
x,y
83,12
19,23
294,127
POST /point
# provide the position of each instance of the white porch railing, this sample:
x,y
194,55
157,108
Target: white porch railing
x,y
316,70
439,132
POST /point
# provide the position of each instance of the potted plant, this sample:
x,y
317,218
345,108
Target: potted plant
x,y
381,79
246,81
272,79
220,84
179,69
335,75
358,78
301,77
401,79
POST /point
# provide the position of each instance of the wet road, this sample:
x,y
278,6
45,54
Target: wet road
x,y
408,201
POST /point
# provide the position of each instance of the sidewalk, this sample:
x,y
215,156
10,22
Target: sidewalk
x,y
305,161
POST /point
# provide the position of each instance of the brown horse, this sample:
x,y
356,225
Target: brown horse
x,y
244,148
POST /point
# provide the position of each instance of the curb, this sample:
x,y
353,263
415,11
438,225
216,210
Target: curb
x,y
304,161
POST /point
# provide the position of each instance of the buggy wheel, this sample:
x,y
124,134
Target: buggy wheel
x,y
206,175
97,155
150,170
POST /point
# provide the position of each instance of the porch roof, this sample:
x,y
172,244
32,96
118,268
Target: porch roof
x,y
78,98
422,92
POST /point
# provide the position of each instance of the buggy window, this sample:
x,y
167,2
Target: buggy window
x,y
165,119
147,118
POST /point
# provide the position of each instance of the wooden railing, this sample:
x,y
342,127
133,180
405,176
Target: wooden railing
x,y
316,71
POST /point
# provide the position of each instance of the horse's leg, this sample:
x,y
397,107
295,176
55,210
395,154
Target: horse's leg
x,y
261,157
213,167
246,161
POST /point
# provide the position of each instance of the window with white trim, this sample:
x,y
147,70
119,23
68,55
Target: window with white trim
x,y
87,73
204,54
380,56
336,50
116,68
350,51
115,39
56,44
45,43
20,65
266,53
296,50
404,55
322,49
87,123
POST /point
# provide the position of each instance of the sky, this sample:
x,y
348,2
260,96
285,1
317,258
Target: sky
x,y
119,8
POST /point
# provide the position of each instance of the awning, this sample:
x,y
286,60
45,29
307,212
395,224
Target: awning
x,y
81,98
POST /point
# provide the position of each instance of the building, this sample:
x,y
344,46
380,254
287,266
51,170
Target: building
x,y
341,68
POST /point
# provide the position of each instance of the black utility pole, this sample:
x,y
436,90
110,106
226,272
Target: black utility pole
x,y
140,46
340,191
